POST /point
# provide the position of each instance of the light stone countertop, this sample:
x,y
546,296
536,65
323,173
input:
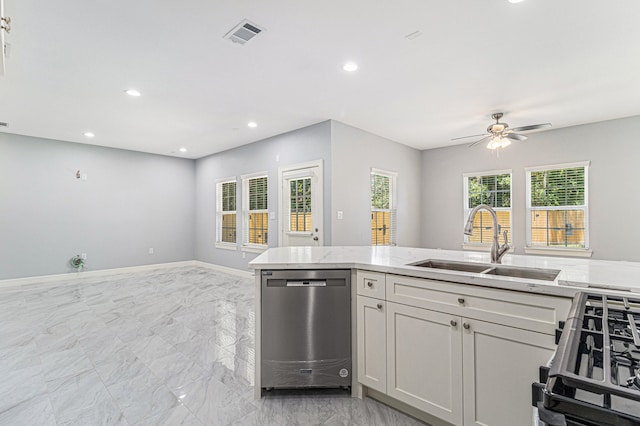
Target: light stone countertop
x,y
576,274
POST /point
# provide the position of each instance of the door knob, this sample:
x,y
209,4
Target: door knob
x,y
369,284
461,300
315,238
466,326
454,323
379,306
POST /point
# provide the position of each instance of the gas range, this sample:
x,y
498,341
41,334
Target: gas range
x,y
594,377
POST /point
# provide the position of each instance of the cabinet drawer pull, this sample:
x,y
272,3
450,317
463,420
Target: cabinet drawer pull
x,y
379,306
466,325
454,323
369,284
461,300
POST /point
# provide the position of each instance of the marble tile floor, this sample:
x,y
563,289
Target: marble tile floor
x,y
171,346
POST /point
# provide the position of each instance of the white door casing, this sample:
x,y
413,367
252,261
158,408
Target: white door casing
x,y
301,202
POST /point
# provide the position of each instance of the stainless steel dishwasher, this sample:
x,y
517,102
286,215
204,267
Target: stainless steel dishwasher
x,y
306,328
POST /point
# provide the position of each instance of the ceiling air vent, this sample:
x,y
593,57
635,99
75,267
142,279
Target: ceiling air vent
x,y
243,32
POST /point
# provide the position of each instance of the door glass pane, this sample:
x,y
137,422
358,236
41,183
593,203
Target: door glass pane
x,y
300,205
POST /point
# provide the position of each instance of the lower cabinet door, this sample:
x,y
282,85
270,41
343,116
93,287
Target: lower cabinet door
x,y
499,364
372,348
424,360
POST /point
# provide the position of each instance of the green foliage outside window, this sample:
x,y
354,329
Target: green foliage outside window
x,y
494,190
380,191
562,187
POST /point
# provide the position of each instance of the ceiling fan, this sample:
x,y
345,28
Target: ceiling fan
x,y
499,134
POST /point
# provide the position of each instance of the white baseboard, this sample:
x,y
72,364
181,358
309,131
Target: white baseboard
x,y
226,269
71,277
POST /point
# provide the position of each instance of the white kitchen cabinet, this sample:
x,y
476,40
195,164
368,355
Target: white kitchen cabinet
x,y
372,343
462,353
424,360
500,363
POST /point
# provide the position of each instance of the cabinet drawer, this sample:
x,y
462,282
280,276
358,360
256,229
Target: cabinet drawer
x,y
371,284
534,312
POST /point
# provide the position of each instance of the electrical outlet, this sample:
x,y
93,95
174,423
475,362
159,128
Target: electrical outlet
x,y
150,250
84,256
340,214
244,255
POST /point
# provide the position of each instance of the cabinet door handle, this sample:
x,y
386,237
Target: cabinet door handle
x,y
369,284
461,300
379,306
466,325
454,323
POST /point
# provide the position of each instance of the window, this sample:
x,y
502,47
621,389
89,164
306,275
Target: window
x,y
494,189
255,211
383,214
226,213
557,206
300,198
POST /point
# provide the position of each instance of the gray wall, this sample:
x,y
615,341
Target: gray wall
x,y
614,152
354,152
130,202
299,146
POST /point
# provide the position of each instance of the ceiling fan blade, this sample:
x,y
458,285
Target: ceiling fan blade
x,y
479,141
516,137
531,127
472,136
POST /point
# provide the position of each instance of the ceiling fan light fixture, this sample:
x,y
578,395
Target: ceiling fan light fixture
x,y
498,142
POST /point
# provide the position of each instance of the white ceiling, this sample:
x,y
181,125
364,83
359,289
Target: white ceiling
x,y
566,62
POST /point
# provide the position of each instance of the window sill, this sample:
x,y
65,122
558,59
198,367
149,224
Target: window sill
x,y
227,246
483,247
552,251
253,248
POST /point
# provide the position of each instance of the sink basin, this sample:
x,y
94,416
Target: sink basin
x,y
527,273
452,265
490,269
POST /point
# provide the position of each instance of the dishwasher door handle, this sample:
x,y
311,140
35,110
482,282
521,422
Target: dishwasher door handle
x,y
306,283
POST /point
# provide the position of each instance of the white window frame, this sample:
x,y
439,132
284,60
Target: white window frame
x,y
219,243
559,251
246,245
393,196
466,245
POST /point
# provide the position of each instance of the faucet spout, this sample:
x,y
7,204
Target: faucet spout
x,y
497,250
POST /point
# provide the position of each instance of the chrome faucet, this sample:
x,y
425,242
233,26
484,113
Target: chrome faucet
x,y
497,250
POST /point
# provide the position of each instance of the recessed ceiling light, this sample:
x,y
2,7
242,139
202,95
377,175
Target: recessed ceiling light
x,y
350,66
89,134
252,124
183,149
132,92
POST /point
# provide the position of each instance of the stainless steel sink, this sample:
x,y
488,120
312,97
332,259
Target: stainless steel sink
x,y
452,265
490,269
528,273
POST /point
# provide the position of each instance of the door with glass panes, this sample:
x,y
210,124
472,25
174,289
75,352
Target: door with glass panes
x,y
301,220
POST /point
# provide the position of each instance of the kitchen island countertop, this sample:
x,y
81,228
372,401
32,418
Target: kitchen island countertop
x,y
575,275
